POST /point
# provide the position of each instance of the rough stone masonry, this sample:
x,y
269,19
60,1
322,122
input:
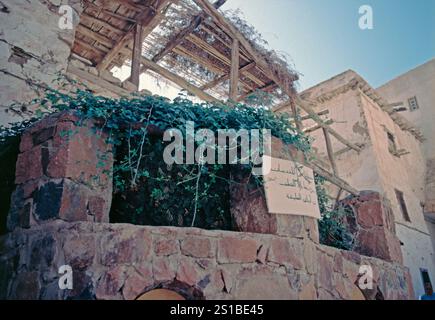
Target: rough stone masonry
x,y
60,215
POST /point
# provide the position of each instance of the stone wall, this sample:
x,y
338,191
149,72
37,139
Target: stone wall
x,y
63,172
373,226
58,216
358,115
113,261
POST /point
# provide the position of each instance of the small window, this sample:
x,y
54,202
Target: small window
x,y
402,203
426,279
391,143
413,104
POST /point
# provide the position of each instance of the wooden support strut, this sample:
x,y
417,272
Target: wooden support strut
x,y
330,151
234,74
331,178
136,56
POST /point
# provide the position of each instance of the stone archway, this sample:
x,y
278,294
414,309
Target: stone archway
x,y
171,290
161,294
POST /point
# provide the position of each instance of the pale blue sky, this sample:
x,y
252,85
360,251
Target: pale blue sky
x,y
323,38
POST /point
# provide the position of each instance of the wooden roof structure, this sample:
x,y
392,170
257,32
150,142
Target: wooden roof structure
x,y
192,44
177,35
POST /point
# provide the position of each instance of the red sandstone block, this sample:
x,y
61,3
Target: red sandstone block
x,y
73,202
188,272
370,214
110,284
283,253
164,268
98,208
28,165
138,279
237,250
26,142
199,247
165,247
325,273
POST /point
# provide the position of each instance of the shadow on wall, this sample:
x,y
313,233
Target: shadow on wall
x,y
9,150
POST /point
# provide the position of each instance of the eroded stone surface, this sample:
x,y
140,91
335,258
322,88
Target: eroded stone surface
x,y
113,261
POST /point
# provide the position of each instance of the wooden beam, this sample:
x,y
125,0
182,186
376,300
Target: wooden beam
x,y
93,6
330,151
331,178
263,88
87,32
101,23
129,4
226,77
145,18
178,80
90,47
262,63
100,82
136,55
320,113
179,37
317,127
321,123
337,198
234,73
295,114
346,149
235,34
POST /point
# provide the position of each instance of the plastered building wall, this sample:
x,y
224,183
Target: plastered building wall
x,y
406,174
35,52
419,83
360,119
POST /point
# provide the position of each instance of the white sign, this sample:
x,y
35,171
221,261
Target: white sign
x,y
290,188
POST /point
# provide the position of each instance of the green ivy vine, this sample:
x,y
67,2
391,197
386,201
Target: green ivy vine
x,y
148,191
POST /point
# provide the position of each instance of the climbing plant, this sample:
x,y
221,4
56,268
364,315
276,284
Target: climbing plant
x,y
333,230
146,189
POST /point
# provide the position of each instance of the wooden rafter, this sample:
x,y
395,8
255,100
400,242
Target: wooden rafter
x,y
265,88
226,77
93,6
99,50
263,65
101,23
178,80
145,18
178,38
87,32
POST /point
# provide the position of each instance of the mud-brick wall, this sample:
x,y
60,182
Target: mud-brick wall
x,y
112,261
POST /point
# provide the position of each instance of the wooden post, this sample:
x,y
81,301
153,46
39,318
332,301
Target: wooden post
x,y
234,74
136,56
330,151
295,114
